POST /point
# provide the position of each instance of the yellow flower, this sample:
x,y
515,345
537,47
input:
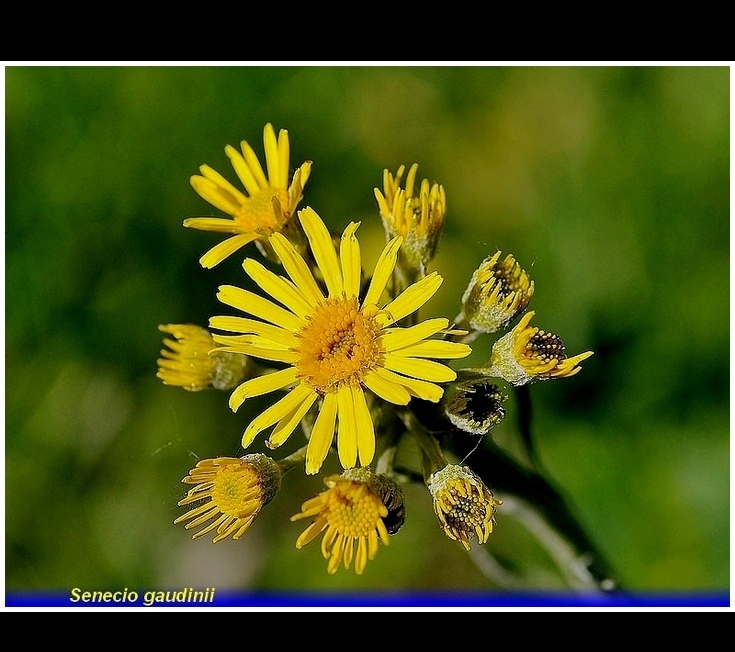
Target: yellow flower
x,y
191,363
336,346
233,491
498,291
418,218
528,353
463,504
352,511
265,207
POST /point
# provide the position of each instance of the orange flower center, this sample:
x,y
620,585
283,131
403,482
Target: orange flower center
x,y
339,344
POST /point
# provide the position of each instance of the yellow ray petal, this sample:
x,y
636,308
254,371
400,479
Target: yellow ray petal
x,y
288,424
276,412
349,253
262,385
247,348
242,169
322,434
398,338
362,555
364,426
418,388
413,297
251,159
216,224
226,248
383,271
435,349
388,391
322,247
278,287
277,167
346,428
217,190
419,368
276,334
296,268
254,304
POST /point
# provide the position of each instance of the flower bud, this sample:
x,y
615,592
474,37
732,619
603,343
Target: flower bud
x,y
463,504
232,492
474,405
498,291
528,354
192,362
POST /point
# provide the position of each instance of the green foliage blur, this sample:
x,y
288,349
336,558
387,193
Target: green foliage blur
x,y
610,184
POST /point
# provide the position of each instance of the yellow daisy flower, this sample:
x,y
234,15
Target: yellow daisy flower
x,y
527,354
233,491
463,504
351,512
265,207
190,361
336,346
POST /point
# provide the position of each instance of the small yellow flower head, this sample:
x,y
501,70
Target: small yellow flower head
x,y
358,510
266,206
190,361
527,354
231,492
416,214
463,504
474,405
498,291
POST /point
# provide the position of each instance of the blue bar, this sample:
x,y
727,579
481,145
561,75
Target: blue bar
x,y
211,597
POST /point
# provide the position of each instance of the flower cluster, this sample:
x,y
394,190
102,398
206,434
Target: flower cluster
x,y
350,363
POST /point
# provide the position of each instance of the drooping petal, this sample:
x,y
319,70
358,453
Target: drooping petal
x,y
364,424
322,434
226,248
262,385
276,412
346,428
288,424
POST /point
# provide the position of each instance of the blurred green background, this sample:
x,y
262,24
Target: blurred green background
x,y
610,184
